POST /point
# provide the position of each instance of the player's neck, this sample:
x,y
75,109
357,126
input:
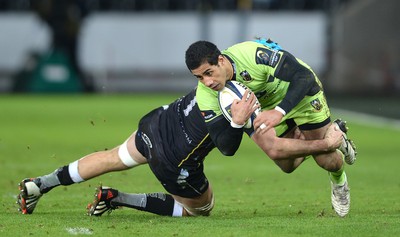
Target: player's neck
x,y
230,68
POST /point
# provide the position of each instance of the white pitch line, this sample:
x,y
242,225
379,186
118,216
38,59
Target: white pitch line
x,y
79,231
368,119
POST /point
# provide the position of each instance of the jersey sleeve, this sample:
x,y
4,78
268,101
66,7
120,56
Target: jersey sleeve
x,y
226,138
207,100
286,75
302,81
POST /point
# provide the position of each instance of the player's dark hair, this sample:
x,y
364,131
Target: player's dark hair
x,y
200,52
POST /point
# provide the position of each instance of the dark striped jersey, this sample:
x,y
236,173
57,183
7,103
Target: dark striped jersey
x,y
184,133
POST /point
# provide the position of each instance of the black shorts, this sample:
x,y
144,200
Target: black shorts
x,y
184,181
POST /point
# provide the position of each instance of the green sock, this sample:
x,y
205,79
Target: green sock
x,y
339,177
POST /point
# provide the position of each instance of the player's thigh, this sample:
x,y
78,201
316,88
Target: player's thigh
x,y
188,185
328,161
318,133
133,151
311,113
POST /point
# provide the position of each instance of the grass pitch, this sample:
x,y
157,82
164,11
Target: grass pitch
x,y
253,197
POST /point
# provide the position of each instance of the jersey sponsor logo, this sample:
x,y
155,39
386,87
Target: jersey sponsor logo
x,y
246,76
316,104
161,196
208,114
181,180
261,94
146,140
267,57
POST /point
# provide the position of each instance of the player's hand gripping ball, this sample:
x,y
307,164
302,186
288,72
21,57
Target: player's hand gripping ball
x,y
234,90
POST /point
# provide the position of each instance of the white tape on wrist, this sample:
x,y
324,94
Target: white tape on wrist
x,y
235,125
280,110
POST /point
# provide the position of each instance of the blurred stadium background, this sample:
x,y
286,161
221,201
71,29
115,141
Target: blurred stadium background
x,y
124,46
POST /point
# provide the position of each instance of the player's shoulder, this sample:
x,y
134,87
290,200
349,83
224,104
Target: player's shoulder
x,y
205,95
252,45
207,101
204,91
244,46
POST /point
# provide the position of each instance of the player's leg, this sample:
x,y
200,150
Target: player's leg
x,y
108,199
198,206
334,163
123,157
188,184
191,194
290,131
329,161
312,115
119,158
190,191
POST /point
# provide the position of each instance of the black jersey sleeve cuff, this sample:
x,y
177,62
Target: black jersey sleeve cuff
x,y
226,138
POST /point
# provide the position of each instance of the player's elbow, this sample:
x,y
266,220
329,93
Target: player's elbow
x,y
275,154
230,151
228,147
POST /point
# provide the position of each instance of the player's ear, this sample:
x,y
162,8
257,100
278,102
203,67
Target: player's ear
x,y
221,59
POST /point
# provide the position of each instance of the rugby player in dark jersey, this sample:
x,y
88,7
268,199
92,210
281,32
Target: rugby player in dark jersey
x,y
174,141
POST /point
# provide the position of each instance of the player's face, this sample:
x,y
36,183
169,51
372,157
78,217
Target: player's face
x,y
212,76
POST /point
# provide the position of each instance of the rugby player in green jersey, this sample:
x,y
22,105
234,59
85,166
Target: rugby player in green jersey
x,y
291,98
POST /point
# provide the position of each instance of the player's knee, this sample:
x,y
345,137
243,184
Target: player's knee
x,y
201,211
288,170
331,167
287,167
274,155
329,163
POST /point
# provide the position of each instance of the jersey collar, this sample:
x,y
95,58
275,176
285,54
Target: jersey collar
x,y
233,66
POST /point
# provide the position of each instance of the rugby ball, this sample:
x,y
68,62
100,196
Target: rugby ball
x,y
234,90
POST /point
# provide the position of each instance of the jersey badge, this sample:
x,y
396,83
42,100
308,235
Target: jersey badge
x,y
316,104
246,76
267,57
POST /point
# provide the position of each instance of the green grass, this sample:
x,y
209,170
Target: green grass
x,y
253,197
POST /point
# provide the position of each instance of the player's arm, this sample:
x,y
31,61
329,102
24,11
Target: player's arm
x,y
301,80
287,148
226,138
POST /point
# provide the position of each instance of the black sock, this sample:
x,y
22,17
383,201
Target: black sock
x,y
64,176
157,203
59,177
